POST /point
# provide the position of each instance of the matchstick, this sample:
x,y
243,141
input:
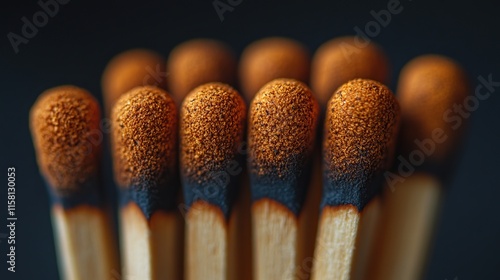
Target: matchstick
x,y
359,135
211,132
129,69
272,58
429,89
281,133
144,141
196,62
64,123
345,58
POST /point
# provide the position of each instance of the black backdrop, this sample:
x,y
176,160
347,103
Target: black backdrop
x,y
74,46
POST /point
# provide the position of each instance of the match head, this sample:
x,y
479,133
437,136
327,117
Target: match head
x,y
129,69
144,139
429,87
197,62
281,133
212,124
345,58
64,123
272,58
361,125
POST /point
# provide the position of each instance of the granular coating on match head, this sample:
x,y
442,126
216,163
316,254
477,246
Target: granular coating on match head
x,y
342,59
428,89
282,126
361,124
144,127
197,62
211,131
130,69
64,124
272,58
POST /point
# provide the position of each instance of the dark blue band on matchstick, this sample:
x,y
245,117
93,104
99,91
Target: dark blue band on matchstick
x,y
290,190
220,194
357,192
88,193
150,198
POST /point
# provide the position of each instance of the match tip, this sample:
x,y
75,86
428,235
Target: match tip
x,y
345,58
360,131
282,128
144,127
272,58
129,69
64,124
429,87
211,131
197,62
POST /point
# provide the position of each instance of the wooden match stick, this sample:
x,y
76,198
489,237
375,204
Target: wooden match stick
x,y
360,129
130,69
282,128
64,124
211,131
144,141
272,58
430,87
345,58
196,62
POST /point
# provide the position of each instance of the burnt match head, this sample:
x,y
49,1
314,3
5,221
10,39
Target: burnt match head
x,y
361,124
64,124
282,126
144,139
429,88
343,59
132,68
272,58
211,133
197,62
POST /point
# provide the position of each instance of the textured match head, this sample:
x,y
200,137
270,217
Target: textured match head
x,y
64,124
282,127
429,88
211,133
361,124
342,59
197,62
133,68
144,139
269,59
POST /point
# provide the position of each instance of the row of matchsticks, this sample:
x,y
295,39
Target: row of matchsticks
x,y
320,197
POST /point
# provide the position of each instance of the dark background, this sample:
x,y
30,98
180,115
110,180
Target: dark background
x,y
75,45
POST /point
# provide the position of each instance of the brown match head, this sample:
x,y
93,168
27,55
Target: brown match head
x,y
429,86
342,59
144,139
211,131
197,62
64,124
282,127
272,58
137,67
361,124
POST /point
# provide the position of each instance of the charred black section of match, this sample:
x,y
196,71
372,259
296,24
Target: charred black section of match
x,y
211,134
64,123
361,126
282,127
144,127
